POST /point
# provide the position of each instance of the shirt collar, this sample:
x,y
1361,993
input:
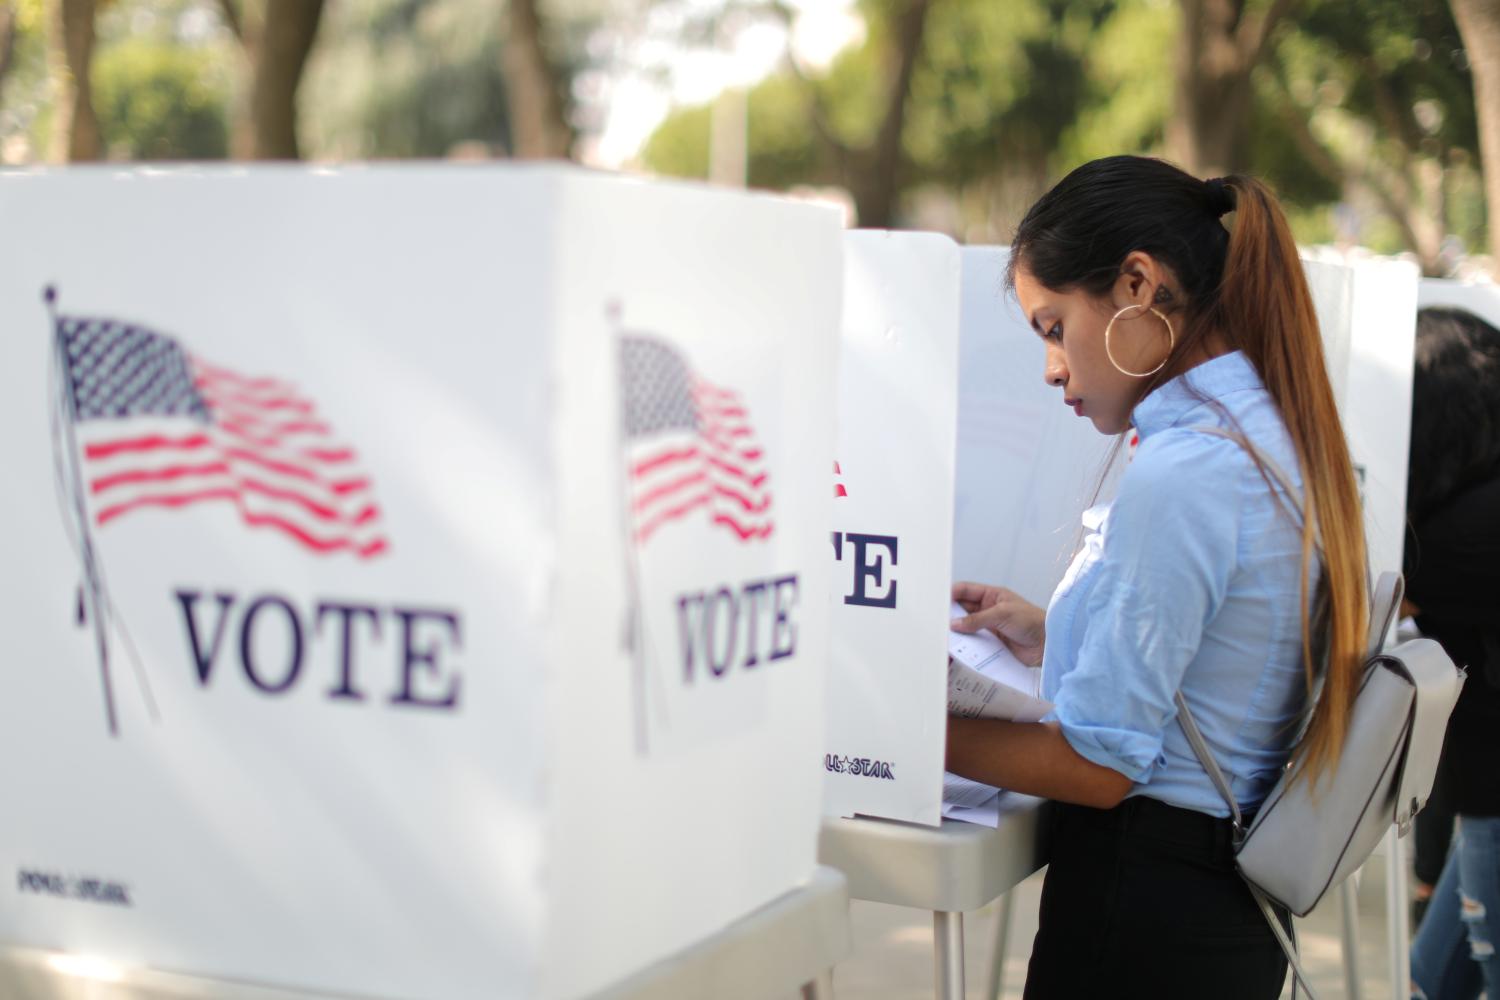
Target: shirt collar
x,y
1169,402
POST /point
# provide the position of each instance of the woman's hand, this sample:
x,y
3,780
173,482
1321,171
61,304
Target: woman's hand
x,y
1021,625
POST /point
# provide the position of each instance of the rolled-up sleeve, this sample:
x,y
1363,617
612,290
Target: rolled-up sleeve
x,y
1169,550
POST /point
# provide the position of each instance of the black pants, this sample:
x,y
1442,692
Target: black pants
x,y
1142,900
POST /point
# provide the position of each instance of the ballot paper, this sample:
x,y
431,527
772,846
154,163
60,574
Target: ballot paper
x,y
986,681
985,814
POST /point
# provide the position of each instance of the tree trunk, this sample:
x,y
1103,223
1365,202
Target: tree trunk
x,y
276,48
7,43
877,173
75,129
1479,24
1218,47
538,123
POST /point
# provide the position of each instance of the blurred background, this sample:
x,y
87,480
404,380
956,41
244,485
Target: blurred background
x,y
1374,119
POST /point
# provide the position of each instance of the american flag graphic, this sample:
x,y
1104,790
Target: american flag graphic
x,y
158,428
689,447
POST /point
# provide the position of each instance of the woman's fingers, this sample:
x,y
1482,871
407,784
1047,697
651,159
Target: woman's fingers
x,y
996,616
967,593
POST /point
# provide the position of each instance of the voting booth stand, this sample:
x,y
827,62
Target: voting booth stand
x,y
412,585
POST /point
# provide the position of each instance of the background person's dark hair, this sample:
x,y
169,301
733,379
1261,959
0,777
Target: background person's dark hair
x,y
1455,408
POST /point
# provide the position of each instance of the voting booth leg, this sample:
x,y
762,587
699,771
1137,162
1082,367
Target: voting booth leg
x,y
820,988
1397,934
948,946
1002,941
1349,905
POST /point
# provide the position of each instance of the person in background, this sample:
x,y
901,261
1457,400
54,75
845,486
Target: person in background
x,y
1157,317
1453,590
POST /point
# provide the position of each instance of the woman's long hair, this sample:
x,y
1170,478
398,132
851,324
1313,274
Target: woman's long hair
x,y
1248,287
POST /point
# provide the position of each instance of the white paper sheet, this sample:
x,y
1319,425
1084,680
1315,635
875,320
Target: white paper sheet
x,y
986,681
987,814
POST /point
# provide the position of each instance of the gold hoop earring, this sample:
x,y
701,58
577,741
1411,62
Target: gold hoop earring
x,y
1171,340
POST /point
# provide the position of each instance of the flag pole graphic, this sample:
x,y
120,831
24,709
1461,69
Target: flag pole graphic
x,y
92,589
634,638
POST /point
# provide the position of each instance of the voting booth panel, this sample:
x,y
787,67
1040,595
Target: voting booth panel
x,y
397,557
892,528
1367,311
1027,465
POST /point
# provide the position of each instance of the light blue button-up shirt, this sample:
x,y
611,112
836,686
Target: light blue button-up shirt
x,y
1189,579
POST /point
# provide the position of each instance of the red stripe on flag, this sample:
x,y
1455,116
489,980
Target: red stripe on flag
x,y
745,532
108,514
157,475
252,518
667,489
666,458
736,471
153,442
673,514
294,403
211,373
750,506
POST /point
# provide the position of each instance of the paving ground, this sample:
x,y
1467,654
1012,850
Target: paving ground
x,y
892,957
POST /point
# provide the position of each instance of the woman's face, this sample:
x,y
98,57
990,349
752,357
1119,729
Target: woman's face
x,y
1071,325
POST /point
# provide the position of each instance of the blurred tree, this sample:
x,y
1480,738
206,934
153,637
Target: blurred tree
x,y
1219,44
75,129
276,37
1479,23
868,158
973,99
374,90
534,91
9,27
159,100
1382,107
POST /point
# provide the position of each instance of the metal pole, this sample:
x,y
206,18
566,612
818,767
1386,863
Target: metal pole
x,y
1397,933
948,952
1002,942
1349,904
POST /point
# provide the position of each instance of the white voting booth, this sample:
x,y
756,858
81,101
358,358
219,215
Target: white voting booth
x,y
1028,466
942,407
892,531
1367,310
411,579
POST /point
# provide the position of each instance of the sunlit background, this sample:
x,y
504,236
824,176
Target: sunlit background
x,y
948,115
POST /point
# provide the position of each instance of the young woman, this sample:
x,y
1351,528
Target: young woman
x,y
1198,578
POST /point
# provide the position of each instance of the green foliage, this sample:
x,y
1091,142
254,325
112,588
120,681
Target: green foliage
x,y
782,152
1380,93
995,84
406,78
160,101
679,146
1129,65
